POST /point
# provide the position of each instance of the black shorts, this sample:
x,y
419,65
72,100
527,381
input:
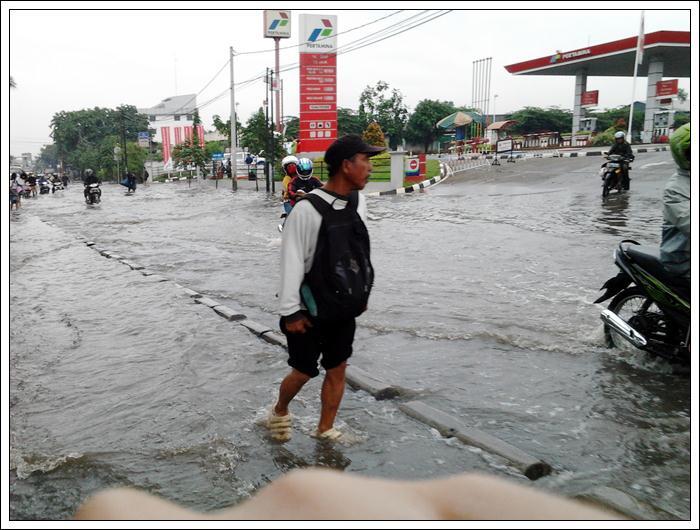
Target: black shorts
x,y
333,340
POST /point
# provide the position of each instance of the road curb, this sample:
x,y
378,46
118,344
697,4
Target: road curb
x,y
445,173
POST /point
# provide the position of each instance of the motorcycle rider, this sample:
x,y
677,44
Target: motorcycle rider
x,y
304,182
621,147
90,178
675,232
289,167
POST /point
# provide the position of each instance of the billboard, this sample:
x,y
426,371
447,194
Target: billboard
x,y
318,114
589,99
277,24
667,88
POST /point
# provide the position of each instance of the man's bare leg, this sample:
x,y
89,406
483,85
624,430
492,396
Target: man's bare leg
x,y
331,396
290,387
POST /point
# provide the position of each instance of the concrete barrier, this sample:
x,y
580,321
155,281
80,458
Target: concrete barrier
x,y
274,338
207,302
228,313
256,328
190,292
359,379
450,426
625,504
157,278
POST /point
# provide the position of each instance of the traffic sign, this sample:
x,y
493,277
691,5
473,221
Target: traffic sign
x,y
217,156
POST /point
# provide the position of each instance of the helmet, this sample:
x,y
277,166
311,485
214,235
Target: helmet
x,y
680,146
88,172
305,168
619,134
287,160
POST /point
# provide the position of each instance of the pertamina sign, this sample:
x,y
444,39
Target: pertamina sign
x,y
668,87
318,111
278,24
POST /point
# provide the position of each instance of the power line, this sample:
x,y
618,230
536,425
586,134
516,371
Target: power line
x,y
202,90
383,34
325,38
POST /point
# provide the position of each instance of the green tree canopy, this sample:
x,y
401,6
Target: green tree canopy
x,y
386,107
349,122
256,134
535,120
83,138
225,127
421,127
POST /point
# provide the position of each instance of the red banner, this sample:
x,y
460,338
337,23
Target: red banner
x,y
589,98
188,134
200,133
667,88
165,134
178,133
318,115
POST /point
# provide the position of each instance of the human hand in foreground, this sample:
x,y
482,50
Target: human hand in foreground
x,y
321,494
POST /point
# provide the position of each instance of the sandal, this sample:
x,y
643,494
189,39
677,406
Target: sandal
x,y
331,434
280,426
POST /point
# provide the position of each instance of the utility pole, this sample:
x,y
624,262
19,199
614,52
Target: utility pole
x,y
234,181
126,165
267,129
276,86
272,133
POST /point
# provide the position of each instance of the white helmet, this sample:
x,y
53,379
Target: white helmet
x,y
291,159
619,134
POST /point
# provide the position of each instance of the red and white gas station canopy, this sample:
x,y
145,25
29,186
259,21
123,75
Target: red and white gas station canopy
x,y
616,58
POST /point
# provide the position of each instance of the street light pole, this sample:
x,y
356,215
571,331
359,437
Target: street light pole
x,y
494,108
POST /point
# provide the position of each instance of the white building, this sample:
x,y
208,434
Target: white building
x,y
176,112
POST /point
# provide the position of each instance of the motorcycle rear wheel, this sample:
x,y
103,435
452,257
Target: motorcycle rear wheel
x,y
632,304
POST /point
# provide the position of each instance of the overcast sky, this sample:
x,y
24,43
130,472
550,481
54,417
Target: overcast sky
x,y
70,60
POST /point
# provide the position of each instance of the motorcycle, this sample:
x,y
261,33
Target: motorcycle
x,y
94,193
612,173
650,308
56,185
44,186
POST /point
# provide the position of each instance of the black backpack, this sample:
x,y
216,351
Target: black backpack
x,y
341,277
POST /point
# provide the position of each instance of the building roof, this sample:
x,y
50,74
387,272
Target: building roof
x,y
185,104
616,58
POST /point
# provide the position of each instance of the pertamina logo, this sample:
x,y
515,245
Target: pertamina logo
x,y
321,32
279,22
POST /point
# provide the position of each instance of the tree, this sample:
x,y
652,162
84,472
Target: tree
x,y
618,117
373,135
421,126
291,129
191,153
536,120
349,122
256,136
386,108
225,127
48,157
682,95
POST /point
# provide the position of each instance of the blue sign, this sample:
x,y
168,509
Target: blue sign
x,y
217,156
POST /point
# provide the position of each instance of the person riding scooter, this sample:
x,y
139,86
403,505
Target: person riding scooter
x,y
90,178
289,167
675,232
305,182
621,147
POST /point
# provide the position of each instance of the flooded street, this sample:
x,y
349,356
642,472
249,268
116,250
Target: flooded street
x,y
482,305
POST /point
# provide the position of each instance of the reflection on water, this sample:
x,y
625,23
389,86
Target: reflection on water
x,y
613,215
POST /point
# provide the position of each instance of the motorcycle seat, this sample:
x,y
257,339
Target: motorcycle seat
x,y
649,259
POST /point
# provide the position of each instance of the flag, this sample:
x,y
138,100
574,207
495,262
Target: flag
x,y
178,134
200,133
188,134
640,42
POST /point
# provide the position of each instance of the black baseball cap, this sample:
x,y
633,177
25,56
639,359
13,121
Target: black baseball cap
x,y
348,146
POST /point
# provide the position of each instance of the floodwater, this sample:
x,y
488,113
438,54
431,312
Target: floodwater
x,y
482,305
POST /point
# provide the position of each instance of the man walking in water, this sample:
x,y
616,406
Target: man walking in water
x,y
325,240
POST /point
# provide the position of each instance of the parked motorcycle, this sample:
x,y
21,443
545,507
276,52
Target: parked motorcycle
x,y
94,193
650,308
612,173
